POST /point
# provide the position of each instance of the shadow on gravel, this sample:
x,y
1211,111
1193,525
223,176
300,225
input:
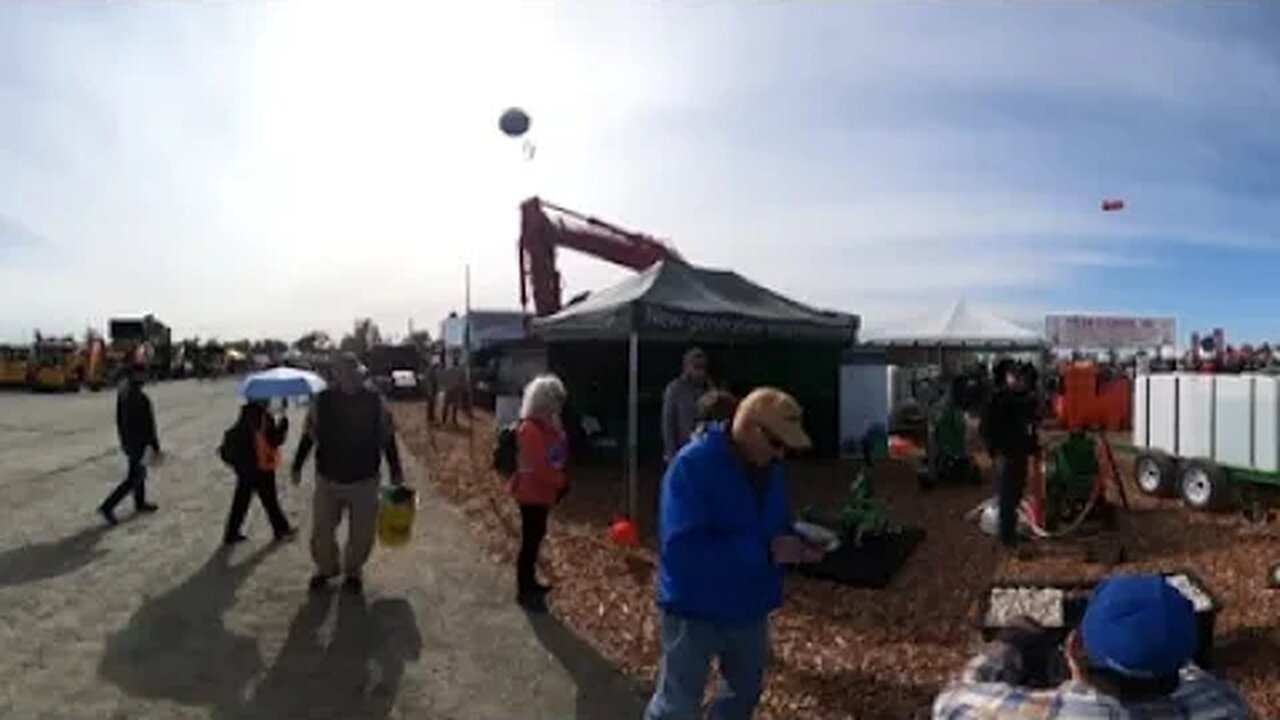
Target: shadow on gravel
x,y
356,675
41,561
176,646
603,692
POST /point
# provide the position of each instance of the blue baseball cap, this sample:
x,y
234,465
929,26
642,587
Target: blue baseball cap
x,y
1139,626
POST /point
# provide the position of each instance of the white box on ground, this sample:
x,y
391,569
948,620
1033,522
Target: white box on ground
x,y
1140,429
1162,417
1195,415
1266,423
864,398
1233,420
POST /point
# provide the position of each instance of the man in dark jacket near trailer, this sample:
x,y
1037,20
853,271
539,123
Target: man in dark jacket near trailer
x,y
1009,430
136,427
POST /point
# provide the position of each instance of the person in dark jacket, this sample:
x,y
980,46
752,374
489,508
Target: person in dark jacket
x,y
136,428
725,534
259,437
1009,430
351,431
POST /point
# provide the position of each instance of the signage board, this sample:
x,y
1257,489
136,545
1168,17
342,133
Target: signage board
x,y
1109,331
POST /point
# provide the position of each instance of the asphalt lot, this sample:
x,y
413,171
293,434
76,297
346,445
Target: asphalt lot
x,y
151,619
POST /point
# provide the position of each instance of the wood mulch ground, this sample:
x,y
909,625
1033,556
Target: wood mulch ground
x,y
849,653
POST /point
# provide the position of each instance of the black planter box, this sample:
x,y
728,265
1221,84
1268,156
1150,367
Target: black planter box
x,y
872,564
1045,666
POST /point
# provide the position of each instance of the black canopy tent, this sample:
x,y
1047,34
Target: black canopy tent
x,y
674,303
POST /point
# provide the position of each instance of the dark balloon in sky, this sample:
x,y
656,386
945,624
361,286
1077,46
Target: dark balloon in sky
x,y
1112,205
514,122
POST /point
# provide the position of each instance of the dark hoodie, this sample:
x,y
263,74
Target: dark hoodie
x,y
135,420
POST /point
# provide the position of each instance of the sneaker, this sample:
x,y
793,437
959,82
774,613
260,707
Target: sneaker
x,y
319,583
234,539
109,516
148,508
353,584
287,535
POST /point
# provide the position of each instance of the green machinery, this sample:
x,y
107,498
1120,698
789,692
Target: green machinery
x,y
948,459
1075,483
862,515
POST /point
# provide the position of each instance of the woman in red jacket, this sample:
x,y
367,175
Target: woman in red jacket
x,y
539,481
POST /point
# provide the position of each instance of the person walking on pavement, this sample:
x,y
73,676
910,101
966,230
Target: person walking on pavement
x,y
254,453
539,481
351,431
725,534
680,403
136,428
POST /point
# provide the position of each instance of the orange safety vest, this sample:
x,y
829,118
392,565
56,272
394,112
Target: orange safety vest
x,y
268,457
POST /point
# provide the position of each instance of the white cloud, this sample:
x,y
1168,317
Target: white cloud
x,y
265,168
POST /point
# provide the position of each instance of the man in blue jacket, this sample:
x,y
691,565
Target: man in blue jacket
x,y
725,532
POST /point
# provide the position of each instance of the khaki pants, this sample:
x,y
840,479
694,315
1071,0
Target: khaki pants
x,y
359,500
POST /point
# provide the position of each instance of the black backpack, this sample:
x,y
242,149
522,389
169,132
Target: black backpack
x,y
506,452
232,451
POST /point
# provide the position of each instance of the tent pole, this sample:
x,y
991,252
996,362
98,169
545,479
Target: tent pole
x,y
633,423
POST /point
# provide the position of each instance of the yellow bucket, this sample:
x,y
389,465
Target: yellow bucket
x,y
396,512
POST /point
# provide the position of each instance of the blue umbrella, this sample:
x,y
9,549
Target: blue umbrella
x,y
280,382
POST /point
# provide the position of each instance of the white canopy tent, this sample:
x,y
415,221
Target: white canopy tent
x,y
959,326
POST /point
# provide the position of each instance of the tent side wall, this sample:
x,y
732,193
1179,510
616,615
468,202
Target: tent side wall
x,y
595,373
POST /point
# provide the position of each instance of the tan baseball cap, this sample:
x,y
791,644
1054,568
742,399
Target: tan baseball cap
x,y
778,413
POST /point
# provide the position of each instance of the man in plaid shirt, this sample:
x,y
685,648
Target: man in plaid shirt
x,y
1130,658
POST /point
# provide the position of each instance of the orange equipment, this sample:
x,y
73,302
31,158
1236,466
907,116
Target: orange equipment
x,y
1091,402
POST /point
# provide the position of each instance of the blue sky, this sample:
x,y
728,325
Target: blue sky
x,y
264,168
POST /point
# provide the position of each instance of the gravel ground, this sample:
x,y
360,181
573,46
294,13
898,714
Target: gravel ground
x,y
875,654
151,620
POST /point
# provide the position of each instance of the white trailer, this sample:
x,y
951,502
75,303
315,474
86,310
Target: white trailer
x,y
1198,435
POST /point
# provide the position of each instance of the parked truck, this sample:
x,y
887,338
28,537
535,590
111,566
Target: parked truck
x,y
145,340
15,365
57,365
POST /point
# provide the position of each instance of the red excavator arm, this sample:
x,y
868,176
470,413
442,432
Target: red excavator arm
x,y
541,234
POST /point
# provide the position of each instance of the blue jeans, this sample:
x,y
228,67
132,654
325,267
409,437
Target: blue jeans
x,y
688,645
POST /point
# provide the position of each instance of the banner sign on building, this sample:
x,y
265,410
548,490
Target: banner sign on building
x,y
1109,331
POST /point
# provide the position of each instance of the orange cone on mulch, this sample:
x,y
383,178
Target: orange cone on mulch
x,y
623,532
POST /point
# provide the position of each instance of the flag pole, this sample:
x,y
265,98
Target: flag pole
x,y
466,367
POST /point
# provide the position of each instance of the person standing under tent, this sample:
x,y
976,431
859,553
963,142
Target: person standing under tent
x,y
351,431
680,403
136,429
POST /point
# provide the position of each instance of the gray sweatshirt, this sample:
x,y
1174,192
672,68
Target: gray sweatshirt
x,y
679,413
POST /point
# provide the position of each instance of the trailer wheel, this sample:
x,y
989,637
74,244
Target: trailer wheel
x,y
1204,485
1155,473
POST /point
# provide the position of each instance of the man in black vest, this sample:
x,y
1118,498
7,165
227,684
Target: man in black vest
x,y
136,428
351,431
